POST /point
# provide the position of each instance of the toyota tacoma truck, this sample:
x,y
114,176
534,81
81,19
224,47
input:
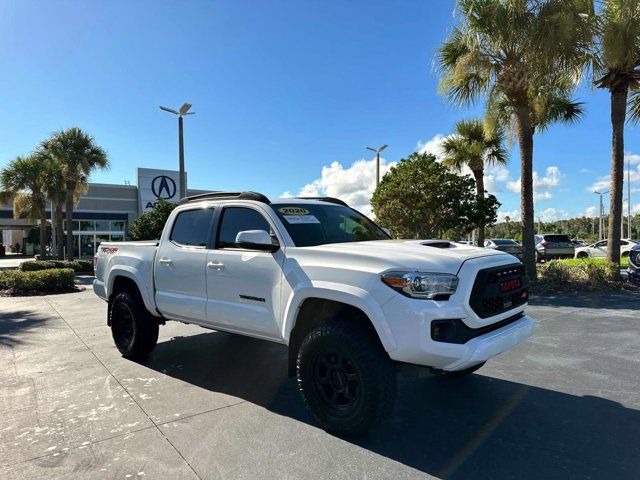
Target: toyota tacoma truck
x,y
351,304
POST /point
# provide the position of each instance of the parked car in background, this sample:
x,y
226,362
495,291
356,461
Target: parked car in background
x,y
505,245
579,243
550,246
599,249
633,270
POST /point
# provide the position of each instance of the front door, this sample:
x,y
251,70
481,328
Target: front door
x,y
243,286
181,288
599,250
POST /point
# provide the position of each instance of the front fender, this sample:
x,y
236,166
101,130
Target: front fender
x,y
134,275
338,292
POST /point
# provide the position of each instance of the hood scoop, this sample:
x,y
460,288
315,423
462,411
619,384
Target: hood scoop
x,y
437,244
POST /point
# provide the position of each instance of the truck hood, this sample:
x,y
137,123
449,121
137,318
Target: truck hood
x,y
423,255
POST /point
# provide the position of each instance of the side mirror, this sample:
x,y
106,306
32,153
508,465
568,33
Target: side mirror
x,y
256,240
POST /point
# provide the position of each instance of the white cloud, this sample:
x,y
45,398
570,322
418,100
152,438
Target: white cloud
x,y
354,185
590,212
603,182
514,216
632,158
542,185
584,170
553,214
433,146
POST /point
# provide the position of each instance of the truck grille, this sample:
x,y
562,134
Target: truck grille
x,y
499,289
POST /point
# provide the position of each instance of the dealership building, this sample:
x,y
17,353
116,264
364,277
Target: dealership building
x,y
103,213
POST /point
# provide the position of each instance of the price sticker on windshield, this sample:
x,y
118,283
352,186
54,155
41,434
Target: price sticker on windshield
x,y
300,219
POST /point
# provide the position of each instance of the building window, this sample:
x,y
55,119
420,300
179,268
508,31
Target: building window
x,y
102,225
88,234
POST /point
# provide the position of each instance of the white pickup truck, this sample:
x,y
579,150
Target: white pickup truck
x,y
351,304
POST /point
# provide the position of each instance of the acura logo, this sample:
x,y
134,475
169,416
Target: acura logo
x,y
163,187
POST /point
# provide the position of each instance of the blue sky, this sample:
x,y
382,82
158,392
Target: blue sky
x,y
282,89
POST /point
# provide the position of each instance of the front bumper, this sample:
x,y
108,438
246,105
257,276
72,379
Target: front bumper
x,y
410,323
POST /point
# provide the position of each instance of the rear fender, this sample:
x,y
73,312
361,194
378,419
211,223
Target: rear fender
x,y
146,292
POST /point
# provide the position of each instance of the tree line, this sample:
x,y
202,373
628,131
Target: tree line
x,y
57,170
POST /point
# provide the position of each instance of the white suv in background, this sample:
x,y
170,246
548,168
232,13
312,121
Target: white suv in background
x,y
599,249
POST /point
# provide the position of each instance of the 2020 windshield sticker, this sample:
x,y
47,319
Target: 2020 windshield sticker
x,y
298,219
293,211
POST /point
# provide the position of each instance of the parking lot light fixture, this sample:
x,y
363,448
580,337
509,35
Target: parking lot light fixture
x,y
184,110
377,151
601,224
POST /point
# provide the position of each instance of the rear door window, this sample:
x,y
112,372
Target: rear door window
x,y
557,238
191,227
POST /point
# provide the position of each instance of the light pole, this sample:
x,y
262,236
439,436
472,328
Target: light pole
x,y
601,224
184,110
629,198
377,150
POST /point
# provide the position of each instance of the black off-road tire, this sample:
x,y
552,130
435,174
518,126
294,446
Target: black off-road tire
x,y
133,328
465,372
346,358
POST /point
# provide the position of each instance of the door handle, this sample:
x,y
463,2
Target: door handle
x,y
215,265
165,261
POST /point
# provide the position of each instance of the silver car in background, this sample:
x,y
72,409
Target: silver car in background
x,y
550,246
505,245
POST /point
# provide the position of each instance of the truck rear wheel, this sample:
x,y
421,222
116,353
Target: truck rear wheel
x,y
133,328
347,380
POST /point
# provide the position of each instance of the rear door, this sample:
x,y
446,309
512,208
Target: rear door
x,y
243,285
181,287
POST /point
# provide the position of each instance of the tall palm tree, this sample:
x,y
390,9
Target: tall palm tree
x,y
23,180
474,146
510,49
55,190
78,155
618,71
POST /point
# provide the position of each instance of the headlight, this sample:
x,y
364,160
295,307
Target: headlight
x,y
429,286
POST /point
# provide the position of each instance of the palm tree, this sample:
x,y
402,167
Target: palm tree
x,y
509,50
23,180
55,190
475,147
78,156
618,70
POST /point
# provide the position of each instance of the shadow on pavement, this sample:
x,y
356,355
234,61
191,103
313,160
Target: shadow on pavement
x,y
616,300
478,427
17,323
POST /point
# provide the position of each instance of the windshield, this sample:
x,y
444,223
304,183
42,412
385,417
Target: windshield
x,y
501,241
316,224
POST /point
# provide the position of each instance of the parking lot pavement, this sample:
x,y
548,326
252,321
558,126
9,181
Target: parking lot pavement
x,y
565,404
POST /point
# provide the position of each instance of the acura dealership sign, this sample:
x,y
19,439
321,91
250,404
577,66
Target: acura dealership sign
x,y
154,184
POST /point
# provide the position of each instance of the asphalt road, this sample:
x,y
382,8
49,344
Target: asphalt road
x,y
566,404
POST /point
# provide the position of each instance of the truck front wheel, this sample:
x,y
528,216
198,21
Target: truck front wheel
x,y
134,330
347,380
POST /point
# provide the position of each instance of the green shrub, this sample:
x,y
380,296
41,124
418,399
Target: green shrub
x,y
75,265
578,275
52,280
